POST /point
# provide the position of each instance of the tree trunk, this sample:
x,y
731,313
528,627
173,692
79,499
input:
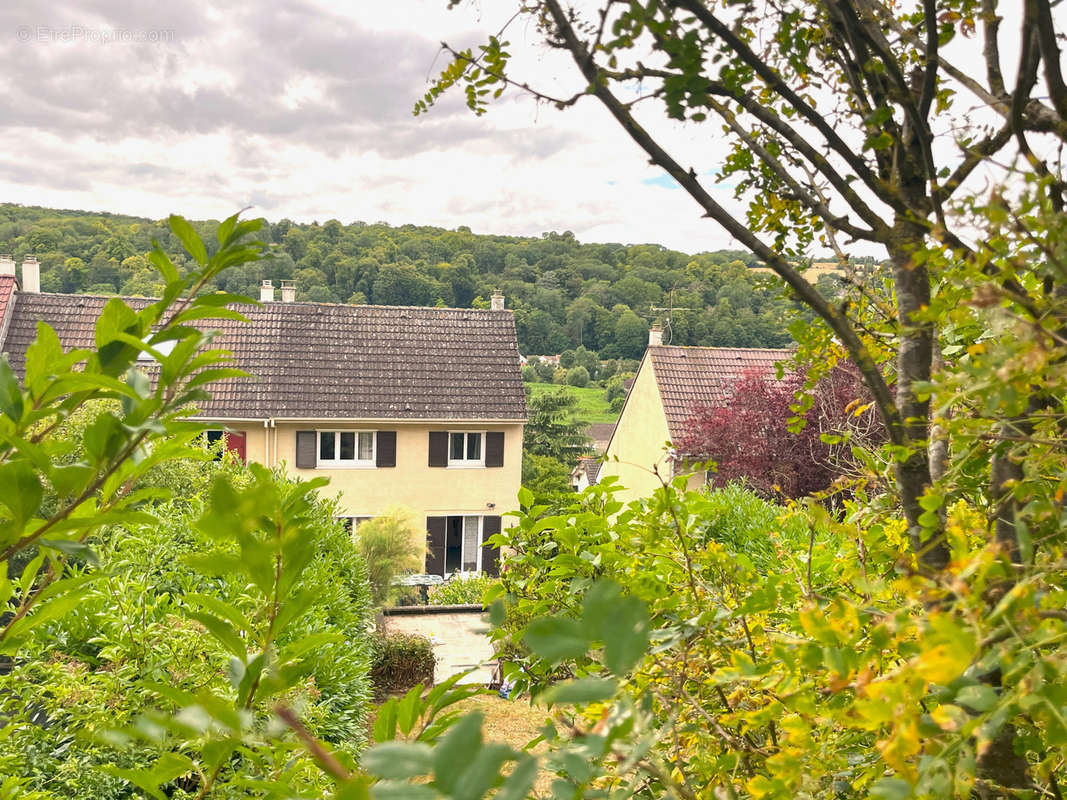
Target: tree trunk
x,y
914,357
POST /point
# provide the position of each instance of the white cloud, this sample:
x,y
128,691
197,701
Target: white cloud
x,y
303,108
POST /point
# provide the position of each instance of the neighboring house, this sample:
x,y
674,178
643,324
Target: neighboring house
x,y
585,474
414,407
586,470
670,383
553,360
600,433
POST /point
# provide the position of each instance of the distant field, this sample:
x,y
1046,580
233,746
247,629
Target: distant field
x,y
592,407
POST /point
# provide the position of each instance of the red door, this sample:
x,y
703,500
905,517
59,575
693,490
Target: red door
x,y
235,443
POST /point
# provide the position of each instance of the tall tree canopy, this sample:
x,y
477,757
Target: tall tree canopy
x,y
564,293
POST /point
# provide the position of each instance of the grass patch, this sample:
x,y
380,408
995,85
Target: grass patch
x,y
592,407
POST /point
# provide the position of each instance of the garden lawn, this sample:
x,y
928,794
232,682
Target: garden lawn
x,y
592,407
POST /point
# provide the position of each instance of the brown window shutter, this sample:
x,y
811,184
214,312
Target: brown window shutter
x,y
385,449
435,545
306,449
490,553
494,449
438,448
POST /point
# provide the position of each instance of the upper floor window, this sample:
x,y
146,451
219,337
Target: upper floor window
x,y
465,449
326,449
346,448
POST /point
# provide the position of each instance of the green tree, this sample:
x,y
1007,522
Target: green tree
x,y
551,429
578,376
631,335
391,546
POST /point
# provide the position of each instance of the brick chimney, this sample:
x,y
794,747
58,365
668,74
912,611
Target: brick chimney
x,y
7,265
266,292
288,291
655,336
31,275
496,302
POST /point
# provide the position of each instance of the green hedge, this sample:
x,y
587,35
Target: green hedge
x,y
400,661
461,590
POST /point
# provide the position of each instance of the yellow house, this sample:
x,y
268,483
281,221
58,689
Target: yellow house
x,y
397,406
670,384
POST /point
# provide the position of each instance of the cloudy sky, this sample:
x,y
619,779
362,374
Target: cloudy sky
x,y
302,109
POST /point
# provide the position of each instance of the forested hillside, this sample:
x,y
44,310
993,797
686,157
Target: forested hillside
x,y
565,294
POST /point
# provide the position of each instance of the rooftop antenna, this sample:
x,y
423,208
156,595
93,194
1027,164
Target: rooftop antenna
x,y
668,331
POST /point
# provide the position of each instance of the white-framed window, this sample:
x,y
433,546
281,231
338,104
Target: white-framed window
x,y
345,448
463,544
466,449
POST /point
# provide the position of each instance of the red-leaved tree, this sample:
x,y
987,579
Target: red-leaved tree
x,y
749,436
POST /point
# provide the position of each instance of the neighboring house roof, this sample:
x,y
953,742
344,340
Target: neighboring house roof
x,y
328,361
591,468
600,433
7,294
688,377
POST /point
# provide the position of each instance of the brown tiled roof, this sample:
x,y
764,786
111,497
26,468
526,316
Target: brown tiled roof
x,y
7,293
591,468
600,433
327,361
702,376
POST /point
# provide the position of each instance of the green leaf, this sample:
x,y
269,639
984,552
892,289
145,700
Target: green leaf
x,y
402,791
408,710
583,690
385,724
220,608
482,772
625,634
10,391
399,760
189,238
520,781
166,769
979,697
622,623
161,261
21,492
78,550
222,631
890,789
557,638
455,751
497,610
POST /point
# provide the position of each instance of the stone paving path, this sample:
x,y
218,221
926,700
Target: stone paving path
x,y
459,641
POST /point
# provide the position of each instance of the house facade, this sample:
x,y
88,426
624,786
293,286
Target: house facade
x,y
421,408
671,382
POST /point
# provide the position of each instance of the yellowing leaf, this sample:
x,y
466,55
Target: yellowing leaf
x,y
947,650
949,717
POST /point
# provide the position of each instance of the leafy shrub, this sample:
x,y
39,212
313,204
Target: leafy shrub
x,y
462,589
401,661
390,545
529,374
578,376
143,626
